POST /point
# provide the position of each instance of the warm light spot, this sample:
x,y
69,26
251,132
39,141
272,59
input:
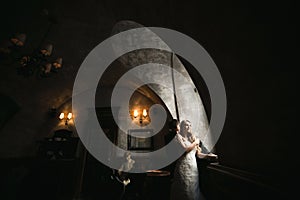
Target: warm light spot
x,y
70,115
61,116
135,113
144,112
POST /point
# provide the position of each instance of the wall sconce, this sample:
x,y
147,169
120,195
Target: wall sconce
x,y
38,62
141,116
65,117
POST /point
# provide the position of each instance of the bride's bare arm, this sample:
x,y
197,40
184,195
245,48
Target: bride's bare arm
x,y
206,155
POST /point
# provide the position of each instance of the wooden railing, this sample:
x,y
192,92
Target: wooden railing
x,y
219,182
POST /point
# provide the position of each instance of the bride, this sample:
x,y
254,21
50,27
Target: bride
x,y
185,185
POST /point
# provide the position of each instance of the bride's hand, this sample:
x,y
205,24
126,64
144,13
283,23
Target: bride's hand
x,y
197,141
212,155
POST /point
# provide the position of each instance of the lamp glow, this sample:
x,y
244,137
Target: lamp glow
x,y
70,115
144,112
61,116
135,113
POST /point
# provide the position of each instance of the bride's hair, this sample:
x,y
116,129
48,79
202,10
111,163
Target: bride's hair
x,y
182,128
190,135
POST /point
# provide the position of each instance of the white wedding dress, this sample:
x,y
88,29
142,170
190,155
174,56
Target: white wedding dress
x,y
185,184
